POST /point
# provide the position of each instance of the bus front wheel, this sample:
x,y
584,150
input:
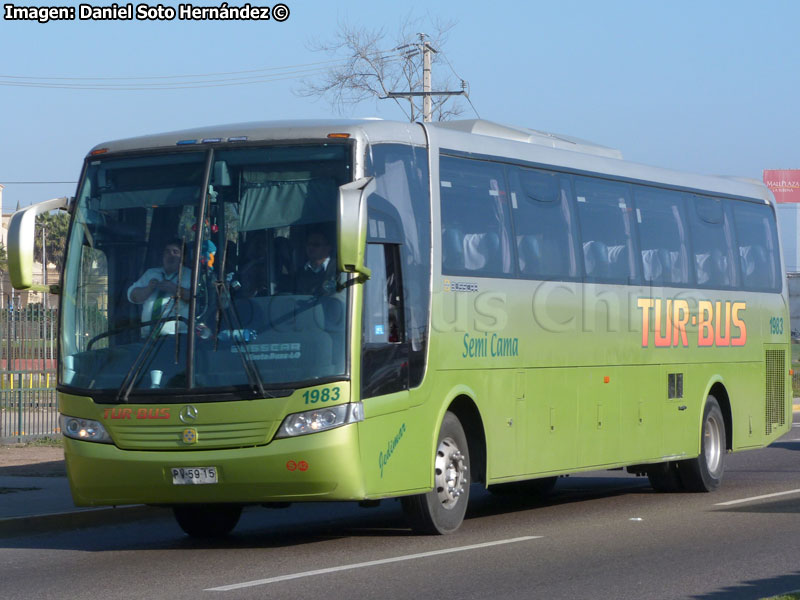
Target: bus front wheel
x,y
207,520
704,473
442,510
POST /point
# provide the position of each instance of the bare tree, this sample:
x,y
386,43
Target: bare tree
x,y
371,65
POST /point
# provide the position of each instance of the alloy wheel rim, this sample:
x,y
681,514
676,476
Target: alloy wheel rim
x,y
712,441
450,470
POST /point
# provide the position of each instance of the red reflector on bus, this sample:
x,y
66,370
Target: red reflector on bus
x,y
338,135
606,379
98,151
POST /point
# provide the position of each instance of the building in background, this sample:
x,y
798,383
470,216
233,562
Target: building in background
x,y
785,186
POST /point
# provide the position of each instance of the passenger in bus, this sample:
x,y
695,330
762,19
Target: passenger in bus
x,y
318,274
157,287
253,274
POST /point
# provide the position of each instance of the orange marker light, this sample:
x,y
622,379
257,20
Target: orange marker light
x,y
606,379
98,151
339,135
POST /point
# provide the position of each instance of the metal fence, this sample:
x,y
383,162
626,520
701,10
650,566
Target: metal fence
x,y
28,402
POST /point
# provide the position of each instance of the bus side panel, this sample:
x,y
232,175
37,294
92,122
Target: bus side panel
x,y
679,415
496,391
551,427
745,386
642,391
598,416
396,451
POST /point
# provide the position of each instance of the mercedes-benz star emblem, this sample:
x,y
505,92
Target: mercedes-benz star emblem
x,y
188,414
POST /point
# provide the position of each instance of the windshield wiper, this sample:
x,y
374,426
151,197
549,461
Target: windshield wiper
x,y
225,306
132,376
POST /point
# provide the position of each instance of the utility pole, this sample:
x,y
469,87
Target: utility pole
x,y
426,93
44,266
426,78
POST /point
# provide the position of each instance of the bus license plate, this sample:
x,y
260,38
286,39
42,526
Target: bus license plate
x,y
193,475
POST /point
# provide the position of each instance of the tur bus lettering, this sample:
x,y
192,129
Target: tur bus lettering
x,y
718,323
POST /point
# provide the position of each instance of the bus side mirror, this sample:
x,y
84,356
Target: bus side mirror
x,y
21,233
351,226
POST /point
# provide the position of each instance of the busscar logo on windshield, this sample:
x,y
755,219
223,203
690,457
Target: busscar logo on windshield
x,y
289,351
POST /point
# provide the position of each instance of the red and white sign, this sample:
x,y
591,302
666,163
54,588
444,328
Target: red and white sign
x,y
784,184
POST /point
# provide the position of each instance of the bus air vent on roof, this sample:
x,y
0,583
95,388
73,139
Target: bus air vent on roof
x,y
531,136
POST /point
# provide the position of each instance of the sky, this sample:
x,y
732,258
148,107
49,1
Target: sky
x,y
705,86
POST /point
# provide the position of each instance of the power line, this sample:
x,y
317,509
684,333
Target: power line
x,y
169,85
106,78
269,74
464,85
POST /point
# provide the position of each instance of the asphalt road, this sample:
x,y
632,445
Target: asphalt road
x,y
603,535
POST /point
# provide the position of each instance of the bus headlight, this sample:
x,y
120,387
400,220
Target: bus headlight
x,y
84,429
321,419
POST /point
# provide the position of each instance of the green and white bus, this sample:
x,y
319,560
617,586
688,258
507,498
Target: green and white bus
x,y
496,305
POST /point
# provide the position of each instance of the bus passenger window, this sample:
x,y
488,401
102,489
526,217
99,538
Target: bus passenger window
x,y
606,218
663,236
712,243
476,238
544,224
757,241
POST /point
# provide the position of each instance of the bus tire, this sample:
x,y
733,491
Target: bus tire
x,y
704,473
442,510
664,477
207,520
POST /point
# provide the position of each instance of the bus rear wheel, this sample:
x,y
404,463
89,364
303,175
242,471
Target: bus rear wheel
x,y
207,520
664,477
704,473
442,510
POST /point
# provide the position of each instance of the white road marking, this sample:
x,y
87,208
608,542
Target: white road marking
x,y
371,563
732,502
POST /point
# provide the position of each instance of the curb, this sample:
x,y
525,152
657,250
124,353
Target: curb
x,y
16,526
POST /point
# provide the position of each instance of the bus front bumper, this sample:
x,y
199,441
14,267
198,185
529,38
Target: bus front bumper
x,y
319,466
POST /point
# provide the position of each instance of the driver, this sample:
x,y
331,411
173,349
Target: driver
x,y
157,287
318,275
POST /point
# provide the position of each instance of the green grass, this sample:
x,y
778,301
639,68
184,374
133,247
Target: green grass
x,y
789,596
47,441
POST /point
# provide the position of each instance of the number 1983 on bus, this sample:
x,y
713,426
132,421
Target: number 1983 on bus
x,y
321,395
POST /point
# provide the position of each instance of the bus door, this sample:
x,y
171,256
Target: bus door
x,y
384,354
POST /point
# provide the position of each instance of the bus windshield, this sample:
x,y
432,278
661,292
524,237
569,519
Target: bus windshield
x,y
243,240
